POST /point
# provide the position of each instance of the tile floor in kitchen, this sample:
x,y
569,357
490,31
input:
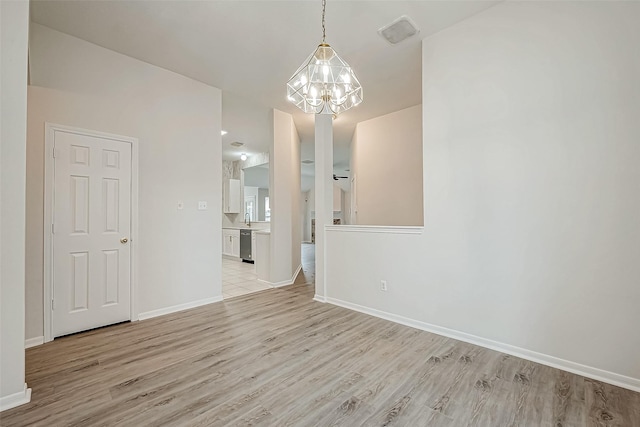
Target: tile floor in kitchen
x,y
239,278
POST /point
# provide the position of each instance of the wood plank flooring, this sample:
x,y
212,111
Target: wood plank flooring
x,y
277,358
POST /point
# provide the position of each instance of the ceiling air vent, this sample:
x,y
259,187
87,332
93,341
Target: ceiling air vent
x,y
237,144
307,162
400,29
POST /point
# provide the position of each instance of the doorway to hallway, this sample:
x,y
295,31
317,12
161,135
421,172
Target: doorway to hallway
x,y
308,273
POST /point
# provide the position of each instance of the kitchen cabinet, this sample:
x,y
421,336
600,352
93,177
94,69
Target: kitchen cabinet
x,y
263,268
254,253
231,242
231,196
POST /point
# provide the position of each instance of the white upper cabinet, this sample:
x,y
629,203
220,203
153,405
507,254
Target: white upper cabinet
x,y
231,196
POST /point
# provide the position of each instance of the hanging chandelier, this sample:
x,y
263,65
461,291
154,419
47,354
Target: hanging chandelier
x,y
324,83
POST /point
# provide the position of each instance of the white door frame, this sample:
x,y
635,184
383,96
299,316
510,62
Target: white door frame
x,y
49,185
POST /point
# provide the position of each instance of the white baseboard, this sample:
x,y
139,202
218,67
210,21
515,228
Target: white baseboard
x,y
319,298
15,399
545,359
283,282
33,342
179,307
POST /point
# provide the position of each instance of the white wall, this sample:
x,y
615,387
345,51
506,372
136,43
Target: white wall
x,y
531,154
386,158
284,198
177,121
14,35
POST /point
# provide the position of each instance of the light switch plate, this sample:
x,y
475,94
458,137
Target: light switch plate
x,y
202,205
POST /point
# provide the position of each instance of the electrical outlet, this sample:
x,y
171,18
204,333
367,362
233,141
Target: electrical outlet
x,y
202,206
383,285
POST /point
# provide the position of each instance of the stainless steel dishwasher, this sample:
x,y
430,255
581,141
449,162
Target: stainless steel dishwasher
x,y
245,246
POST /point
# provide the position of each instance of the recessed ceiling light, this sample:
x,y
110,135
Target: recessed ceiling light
x,y
399,30
223,132
243,157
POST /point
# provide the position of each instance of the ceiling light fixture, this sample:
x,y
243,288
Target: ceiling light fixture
x,y
223,132
243,157
324,83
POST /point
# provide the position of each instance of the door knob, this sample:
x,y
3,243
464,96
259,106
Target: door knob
x,y
124,240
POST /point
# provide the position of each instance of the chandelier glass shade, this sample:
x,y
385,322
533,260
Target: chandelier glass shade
x,y
324,83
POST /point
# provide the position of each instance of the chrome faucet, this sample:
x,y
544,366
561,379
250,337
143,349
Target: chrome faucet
x,y
247,219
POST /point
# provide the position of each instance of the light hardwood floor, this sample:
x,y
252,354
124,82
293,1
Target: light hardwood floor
x,y
277,358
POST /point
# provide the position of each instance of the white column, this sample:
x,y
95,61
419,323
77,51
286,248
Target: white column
x,y
284,199
14,32
324,196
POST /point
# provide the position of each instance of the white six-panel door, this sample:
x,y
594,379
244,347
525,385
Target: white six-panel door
x,y
91,250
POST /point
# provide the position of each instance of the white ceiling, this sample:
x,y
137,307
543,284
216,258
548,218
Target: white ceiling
x,y
249,49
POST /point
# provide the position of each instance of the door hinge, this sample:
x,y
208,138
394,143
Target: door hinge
x,y
53,228
54,152
53,304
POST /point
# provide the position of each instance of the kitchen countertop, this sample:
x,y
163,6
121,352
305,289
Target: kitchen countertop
x,y
247,228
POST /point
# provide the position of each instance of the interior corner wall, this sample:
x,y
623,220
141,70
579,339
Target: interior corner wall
x,y
387,161
296,237
177,121
531,154
14,33
305,215
284,198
